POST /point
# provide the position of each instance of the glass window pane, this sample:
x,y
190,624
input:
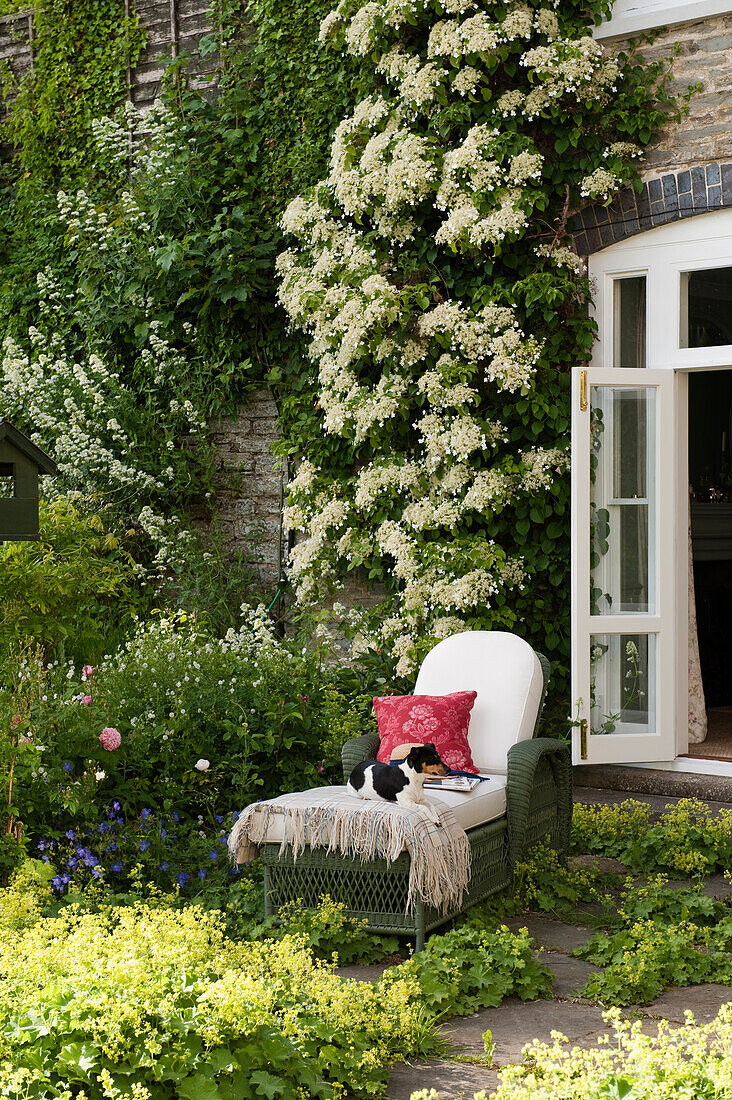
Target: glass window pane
x,y
629,345
708,308
622,683
622,499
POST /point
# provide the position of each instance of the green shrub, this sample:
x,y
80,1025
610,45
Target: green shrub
x,y
154,1002
207,725
73,589
689,838
467,969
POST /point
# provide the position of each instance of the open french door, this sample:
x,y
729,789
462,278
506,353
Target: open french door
x,y
623,598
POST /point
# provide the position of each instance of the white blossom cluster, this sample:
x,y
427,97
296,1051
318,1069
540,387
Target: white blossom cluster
x,y
140,141
78,404
600,184
402,358
561,256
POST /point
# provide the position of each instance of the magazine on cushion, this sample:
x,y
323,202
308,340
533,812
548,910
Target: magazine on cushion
x,y
452,782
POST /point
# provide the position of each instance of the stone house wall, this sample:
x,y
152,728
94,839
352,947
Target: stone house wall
x,y
705,56
688,169
250,486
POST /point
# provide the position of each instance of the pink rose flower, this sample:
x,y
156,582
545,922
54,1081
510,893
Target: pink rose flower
x,y
111,738
15,722
86,701
202,765
87,672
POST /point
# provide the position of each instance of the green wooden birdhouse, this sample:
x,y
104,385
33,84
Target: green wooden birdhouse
x,y
20,464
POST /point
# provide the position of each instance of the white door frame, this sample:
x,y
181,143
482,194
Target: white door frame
x,y
663,256
659,621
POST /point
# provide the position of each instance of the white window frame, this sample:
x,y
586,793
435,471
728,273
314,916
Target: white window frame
x,y
633,16
663,255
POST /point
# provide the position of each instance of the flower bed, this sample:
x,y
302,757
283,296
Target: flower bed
x,y
156,1002
142,760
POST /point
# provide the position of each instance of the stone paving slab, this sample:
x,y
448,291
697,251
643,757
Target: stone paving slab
x,y
515,1023
569,974
599,863
368,972
715,886
452,1080
704,1001
552,934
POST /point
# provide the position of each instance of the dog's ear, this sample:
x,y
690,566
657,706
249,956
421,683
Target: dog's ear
x,y
412,757
431,745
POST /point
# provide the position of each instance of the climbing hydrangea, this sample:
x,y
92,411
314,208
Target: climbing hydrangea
x,y
449,185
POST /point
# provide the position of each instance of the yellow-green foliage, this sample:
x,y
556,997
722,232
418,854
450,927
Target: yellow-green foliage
x,y
159,998
688,1061
688,838
472,968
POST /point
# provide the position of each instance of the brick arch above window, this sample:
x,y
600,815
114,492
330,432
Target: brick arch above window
x,y
667,198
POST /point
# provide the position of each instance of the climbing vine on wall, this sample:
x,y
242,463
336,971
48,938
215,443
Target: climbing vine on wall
x,y
433,274
137,289
429,273
81,49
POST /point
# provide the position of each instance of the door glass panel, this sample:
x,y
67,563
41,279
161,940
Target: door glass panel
x,y
629,343
707,308
622,683
622,499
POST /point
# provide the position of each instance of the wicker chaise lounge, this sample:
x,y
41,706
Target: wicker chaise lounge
x,y
528,797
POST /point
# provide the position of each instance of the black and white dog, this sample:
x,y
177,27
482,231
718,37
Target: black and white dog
x,y
401,783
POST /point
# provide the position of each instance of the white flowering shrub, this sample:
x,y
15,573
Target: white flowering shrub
x,y
433,274
124,418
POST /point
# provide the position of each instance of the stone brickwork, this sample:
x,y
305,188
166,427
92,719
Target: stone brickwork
x,y
705,56
250,482
688,169
675,195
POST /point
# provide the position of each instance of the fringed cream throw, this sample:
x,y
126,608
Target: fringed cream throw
x,y
327,817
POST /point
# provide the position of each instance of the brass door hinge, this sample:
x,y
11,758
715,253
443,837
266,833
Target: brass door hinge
x,y
583,390
583,739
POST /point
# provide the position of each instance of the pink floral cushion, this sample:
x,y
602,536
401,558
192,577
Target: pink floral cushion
x,y
441,719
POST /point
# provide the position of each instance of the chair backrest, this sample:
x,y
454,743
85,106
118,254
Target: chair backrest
x,y
507,675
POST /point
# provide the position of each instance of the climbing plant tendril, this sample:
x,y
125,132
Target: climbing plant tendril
x,y
433,273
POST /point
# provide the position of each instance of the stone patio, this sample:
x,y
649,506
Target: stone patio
x,y
513,1024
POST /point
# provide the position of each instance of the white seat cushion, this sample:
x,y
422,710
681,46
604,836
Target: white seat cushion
x,y
505,672
477,807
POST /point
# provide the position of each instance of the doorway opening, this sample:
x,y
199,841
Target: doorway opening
x,y
710,490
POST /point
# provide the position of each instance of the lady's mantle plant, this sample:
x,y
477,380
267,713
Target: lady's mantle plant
x,y
433,272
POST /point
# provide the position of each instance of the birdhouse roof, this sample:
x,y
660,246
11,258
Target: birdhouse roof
x,y
22,443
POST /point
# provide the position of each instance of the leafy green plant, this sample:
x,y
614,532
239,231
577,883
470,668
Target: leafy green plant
x,y
330,933
200,726
688,838
659,937
468,968
69,592
149,997
542,883
81,50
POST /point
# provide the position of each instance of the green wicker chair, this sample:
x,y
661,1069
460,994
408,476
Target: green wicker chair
x,y
511,681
